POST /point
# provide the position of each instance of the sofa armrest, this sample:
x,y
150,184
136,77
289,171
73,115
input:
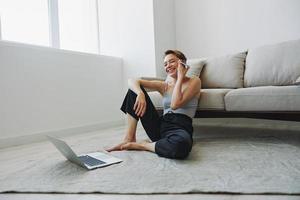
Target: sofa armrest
x,y
297,82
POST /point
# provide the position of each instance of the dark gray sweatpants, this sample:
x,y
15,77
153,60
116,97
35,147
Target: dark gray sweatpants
x,y
172,132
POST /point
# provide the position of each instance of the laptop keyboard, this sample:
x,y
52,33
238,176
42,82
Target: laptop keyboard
x,y
90,160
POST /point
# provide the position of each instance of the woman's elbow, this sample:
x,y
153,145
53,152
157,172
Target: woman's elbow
x,y
174,106
132,81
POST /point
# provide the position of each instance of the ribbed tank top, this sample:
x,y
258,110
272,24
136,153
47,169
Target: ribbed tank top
x,y
188,109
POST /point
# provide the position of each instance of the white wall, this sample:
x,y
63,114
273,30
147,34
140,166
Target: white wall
x,y
0,28
164,31
216,27
126,30
49,91
139,32
53,91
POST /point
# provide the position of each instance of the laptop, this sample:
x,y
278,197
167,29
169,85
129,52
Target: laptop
x,y
87,161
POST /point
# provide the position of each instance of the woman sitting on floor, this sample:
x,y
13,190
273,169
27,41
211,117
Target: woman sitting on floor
x,y
171,134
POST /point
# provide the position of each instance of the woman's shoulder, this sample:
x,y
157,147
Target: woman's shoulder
x,y
194,79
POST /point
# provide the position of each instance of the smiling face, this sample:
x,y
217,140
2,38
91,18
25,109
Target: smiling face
x,y
171,64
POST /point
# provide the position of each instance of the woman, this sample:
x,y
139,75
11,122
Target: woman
x,y
170,134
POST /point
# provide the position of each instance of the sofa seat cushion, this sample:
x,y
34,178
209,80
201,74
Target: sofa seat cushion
x,y
156,99
210,99
297,82
265,98
277,64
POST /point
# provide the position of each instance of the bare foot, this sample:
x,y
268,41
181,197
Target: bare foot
x,y
135,146
118,147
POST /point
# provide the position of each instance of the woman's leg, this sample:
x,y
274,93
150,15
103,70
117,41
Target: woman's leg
x,y
130,135
150,121
176,144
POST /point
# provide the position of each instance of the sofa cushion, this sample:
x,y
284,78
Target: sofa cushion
x,y
265,98
224,72
210,99
297,82
277,64
156,99
196,66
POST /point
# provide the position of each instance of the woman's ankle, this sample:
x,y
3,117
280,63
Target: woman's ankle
x,y
130,139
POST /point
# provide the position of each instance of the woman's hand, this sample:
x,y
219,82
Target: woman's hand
x,y
140,105
181,70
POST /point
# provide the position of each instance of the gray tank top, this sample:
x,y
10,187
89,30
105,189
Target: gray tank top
x,y
188,109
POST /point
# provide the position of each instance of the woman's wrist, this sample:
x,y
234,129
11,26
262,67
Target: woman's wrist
x,y
130,139
140,93
179,80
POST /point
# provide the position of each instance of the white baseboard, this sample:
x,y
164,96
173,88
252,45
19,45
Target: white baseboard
x,y
38,137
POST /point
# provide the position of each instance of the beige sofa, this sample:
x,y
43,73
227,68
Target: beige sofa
x,y
260,83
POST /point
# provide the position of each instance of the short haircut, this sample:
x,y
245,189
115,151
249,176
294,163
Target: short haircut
x,y
177,53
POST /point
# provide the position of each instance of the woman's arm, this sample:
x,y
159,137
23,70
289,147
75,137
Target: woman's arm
x,y
180,98
140,103
134,85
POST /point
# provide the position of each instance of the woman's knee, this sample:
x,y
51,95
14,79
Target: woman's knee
x,y
131,93
175,147
182,148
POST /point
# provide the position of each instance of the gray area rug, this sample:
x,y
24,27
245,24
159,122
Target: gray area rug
x,y
233,163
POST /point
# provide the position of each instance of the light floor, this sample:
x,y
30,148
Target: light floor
x,y
212,127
